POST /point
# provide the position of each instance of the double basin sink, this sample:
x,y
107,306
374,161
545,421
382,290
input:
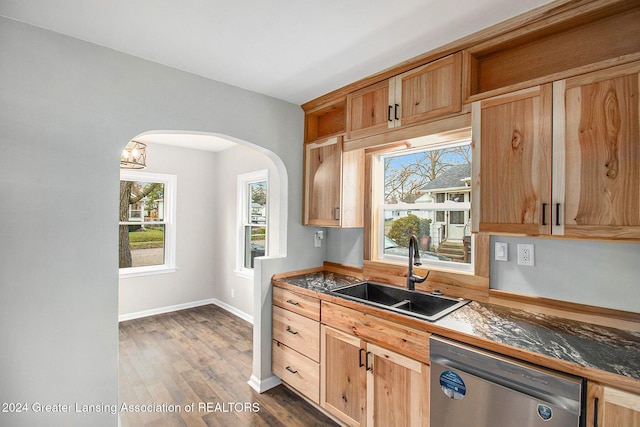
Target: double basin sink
x,y
425,306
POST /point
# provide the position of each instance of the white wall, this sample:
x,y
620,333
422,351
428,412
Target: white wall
x,y
196,238
68,107
228,165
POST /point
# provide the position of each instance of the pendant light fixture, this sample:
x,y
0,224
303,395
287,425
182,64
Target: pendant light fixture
x,y
134,156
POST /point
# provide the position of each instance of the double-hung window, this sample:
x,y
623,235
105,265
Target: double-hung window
x,y
425,192
147,223
253,220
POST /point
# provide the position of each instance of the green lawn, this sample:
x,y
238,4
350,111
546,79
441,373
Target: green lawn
x,y
148,238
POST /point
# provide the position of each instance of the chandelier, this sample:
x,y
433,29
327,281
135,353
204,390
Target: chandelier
x,y
134,156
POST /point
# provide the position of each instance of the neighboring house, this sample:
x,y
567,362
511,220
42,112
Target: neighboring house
x,y
448,191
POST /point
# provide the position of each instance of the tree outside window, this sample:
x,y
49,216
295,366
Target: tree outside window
x,y
146,222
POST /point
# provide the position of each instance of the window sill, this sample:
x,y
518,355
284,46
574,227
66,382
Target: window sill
x,y
146,271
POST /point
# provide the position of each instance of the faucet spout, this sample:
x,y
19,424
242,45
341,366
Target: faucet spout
x,y
414,259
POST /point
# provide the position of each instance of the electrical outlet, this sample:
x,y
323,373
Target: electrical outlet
x,y
526,255
233,293
501,251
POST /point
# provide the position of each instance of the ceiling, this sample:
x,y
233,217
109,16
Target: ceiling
x,y
294,50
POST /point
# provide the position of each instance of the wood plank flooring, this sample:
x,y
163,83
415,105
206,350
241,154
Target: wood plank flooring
x,y
200,356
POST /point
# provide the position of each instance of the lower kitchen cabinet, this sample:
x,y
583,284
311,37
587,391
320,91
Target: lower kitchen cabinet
x,y
364,384
610,407
296,341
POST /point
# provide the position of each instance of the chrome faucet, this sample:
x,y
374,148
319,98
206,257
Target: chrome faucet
x,y
414,259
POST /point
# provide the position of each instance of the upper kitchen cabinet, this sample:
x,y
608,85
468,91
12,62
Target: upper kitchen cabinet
x,y
333,184
589,126
596,154
512,162
424,93
325,120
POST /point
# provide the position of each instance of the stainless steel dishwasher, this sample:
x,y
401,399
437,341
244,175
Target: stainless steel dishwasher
x,y
473,387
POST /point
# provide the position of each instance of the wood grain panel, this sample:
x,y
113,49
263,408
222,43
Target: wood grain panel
x,y
403,339
367,110
297,332
610,407
322,186
302,304
352,206
559,51
431,90
298,371
602,154
515,178
397,390
343,376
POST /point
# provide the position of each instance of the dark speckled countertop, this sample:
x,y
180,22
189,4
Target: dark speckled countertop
x,y
603,348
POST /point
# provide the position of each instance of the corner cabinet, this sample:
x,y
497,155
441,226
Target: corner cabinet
x,y
362,383
427,92
333,184
561,158
609,407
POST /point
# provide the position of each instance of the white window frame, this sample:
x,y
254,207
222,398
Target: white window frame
x,y
170,189
447,206
243,220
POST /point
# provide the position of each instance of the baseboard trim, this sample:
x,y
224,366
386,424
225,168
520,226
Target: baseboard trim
x,y
233,310
177,307
263,385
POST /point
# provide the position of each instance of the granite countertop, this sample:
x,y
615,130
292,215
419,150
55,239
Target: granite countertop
x,y
607,349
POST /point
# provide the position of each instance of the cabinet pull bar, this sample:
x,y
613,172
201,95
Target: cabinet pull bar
x,y
595,412
288,368
389,114
291,331
557,213
544,214
367,361
360,363
293,302
336,213
396,112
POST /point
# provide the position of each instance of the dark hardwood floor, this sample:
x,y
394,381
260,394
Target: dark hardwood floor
x,y
200,356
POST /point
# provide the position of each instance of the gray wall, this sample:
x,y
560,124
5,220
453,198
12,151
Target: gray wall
x,y
603,274
68,107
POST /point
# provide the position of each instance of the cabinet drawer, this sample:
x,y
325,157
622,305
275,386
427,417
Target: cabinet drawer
x,y
405,340
298,332
298,371
301,304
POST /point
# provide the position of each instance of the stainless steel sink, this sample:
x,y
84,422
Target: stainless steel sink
x,y
422,305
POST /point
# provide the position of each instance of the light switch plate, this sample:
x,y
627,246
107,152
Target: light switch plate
x,y
501,251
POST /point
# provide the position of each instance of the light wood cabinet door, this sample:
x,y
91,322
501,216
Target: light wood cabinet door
x,y
343,376
512,162
430,91
322,183
369,110
397,389
427,92
609,407
333,185
597,154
